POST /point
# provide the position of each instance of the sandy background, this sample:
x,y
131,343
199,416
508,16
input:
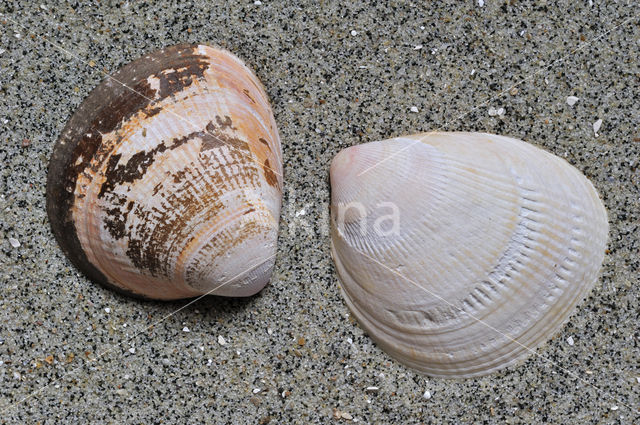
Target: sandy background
x,y
337,75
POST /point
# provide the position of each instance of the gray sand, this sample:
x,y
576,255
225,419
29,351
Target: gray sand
x,y
337,75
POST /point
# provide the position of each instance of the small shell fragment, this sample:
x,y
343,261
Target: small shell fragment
x,y
571,100
596,126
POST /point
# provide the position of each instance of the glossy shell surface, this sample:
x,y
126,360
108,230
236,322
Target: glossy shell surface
x,y
166,183
460,253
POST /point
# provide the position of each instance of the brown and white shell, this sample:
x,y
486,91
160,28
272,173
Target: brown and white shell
x,y
167,181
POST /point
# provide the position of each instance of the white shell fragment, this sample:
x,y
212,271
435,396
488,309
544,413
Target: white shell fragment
x,y
596,126
460,253
571,100
167,181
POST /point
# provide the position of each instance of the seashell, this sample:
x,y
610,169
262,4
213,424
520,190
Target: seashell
x,y
460,253
167,181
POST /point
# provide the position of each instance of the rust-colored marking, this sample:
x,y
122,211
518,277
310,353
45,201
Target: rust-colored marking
x,y
269,174
152,111
246,93
117,219
157,188
226,123
264,142
179,176
214,138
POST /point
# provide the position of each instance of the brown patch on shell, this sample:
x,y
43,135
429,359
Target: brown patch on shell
x,y
214,137
176,80
226,123
271,177
264,142
152,111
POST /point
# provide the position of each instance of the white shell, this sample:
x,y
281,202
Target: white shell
x,y
460,253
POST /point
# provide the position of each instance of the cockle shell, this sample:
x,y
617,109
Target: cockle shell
x,y
167,181
460,253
